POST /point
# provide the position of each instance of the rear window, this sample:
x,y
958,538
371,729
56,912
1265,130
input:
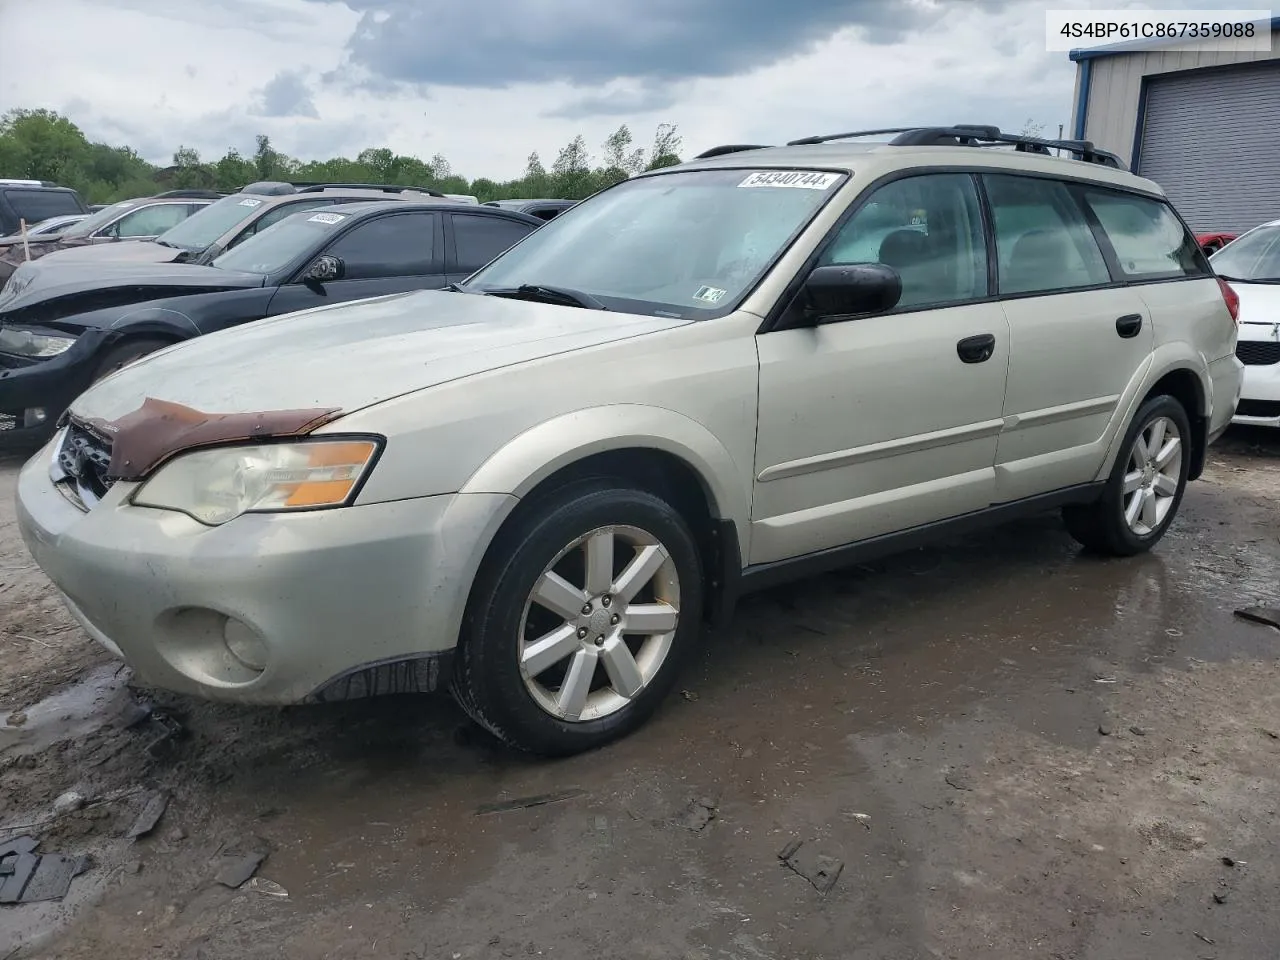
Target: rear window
x,y
35,205
1149,240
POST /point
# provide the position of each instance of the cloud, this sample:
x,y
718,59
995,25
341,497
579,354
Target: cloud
x,y
586,42
286,95
621,99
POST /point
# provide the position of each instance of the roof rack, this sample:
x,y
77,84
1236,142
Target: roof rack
x,y
304,186
191,194
959,135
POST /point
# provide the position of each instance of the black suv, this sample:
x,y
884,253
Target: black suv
x,y
33,201
64,326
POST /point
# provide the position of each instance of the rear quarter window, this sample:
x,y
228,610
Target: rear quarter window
x,y
1149,240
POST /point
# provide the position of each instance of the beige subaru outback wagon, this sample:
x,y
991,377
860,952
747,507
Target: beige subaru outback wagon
x,y
537,487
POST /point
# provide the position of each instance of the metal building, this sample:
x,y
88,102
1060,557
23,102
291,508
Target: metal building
x,y
1204,124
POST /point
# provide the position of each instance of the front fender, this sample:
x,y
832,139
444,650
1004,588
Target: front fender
x,y
528,459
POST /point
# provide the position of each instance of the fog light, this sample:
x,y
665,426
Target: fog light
x,y
245,644
34,416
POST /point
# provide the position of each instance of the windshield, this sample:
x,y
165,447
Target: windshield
x,y
1255,256
205,226
99,219
687,244
281,243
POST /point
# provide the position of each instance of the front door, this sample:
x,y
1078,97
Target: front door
x,y
878,424
393,253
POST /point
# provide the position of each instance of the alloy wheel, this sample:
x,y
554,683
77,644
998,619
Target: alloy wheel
x,y
1151,484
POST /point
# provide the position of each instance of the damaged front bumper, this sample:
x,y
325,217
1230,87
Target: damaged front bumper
x,y
35,391
329,604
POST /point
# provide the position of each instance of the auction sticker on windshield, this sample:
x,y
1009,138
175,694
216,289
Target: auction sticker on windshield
x,y
327,218
249,202
801,179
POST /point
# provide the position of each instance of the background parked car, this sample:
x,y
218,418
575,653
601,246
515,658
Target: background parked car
x,y
141,219
46,228
64,326
33,201
235,218
1251,264
1211,243
542,209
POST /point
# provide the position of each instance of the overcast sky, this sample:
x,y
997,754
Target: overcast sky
x,y
484,83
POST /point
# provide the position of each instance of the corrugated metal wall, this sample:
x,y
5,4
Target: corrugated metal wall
x,y
1210,140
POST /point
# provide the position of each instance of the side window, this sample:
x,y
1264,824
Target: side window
x,y
929,229
480,239
400,245
149,221
1042,239
1149,241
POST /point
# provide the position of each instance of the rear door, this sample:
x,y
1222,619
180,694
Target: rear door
x,y
1078,337
390,253
479,238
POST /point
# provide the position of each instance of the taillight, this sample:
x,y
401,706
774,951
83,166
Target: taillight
x,y
1232,299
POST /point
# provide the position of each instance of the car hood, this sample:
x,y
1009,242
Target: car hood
x,y
349,356
1259,309
125,251
59,289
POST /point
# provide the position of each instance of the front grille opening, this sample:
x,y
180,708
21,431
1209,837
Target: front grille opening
x,y
85,459
1258,353
1258,408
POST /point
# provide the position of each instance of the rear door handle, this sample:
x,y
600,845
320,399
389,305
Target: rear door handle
x,y
976,349
1129,325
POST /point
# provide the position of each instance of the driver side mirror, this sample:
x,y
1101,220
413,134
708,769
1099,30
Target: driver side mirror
x,y
851,289
325,270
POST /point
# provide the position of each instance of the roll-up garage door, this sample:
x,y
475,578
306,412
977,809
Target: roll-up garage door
x,y
1210,140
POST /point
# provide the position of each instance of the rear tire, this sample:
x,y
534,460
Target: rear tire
x,y
584,612
1145,488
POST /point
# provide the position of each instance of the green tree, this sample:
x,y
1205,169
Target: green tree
x,y
42,145
666,147
191,173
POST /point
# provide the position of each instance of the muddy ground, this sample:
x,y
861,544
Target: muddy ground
x,y
1004,747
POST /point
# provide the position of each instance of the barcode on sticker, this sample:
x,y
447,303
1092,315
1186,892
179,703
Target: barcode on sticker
x,y
326,218
803,179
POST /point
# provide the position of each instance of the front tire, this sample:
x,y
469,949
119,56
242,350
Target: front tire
x,y
1146,485
582,616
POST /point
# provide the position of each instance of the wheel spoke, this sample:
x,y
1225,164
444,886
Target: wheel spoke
x,y
550,649
1132,481
1134,509
648,560
651,618
1171,449
1165,485
599,563
624,672
577,683
1150,516
1140,450
1155,440
559,596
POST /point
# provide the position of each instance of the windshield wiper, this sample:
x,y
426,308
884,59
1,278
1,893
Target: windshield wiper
x,y
543,293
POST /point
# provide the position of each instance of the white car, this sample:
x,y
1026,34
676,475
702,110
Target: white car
x,y
538,487
1251,264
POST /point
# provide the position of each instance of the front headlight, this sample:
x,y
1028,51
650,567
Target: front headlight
x,y
215,486
25,343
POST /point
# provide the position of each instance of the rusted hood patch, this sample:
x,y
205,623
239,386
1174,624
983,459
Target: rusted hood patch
x,y
159,430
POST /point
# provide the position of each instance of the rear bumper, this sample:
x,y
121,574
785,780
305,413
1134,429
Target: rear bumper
x,y
1226,375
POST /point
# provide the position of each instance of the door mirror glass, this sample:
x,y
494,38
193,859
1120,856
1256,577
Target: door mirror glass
x,y
325,269
842,290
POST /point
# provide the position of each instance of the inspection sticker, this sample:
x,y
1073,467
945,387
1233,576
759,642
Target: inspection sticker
x,y
327,218
802,179
710,294
249,202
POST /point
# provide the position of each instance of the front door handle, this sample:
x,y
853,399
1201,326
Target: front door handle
x,y
976,349
1129,325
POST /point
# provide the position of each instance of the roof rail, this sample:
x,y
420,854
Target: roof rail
x,y
316,186
730,148
191,194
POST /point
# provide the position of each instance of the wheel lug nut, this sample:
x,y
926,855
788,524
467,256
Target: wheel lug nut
x,y
600,641
586,609
606,600
582,633
613,621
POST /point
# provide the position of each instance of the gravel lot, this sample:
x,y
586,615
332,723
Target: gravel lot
x,y
1004,747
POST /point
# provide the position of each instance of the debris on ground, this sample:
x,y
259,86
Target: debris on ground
x,y
689,695
30,877
1138,731
150,815
958,780
68,802
235,870
521,803
17,718
1268,616
697,815
818,868
1104,729
268,888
